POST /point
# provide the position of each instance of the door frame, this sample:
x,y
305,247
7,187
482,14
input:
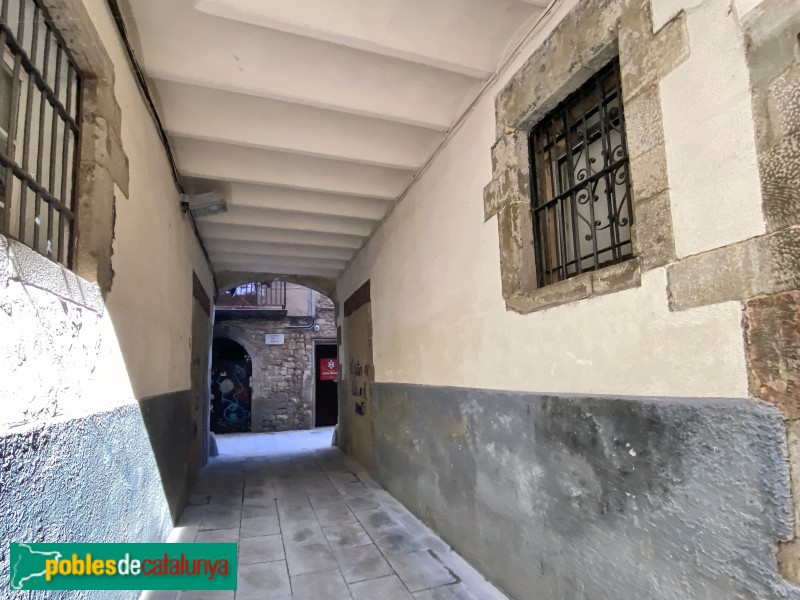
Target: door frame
x,y
314,371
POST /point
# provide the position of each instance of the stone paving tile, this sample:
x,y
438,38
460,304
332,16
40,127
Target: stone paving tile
x,y
263,580
310,522
254,526
385,588
316,586
218,536
295,533
263,502
348,535
448,592
309,558
377,520
420,570
267,548
361,563
319,501
250,511
397,540
334,514
362,502
296,512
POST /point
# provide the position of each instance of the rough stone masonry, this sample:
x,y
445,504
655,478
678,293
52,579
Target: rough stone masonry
x,y
283,376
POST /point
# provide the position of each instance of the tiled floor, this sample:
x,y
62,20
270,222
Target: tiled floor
x,y
312,525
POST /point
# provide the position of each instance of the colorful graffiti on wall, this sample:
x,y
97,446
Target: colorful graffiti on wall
x,y
231,395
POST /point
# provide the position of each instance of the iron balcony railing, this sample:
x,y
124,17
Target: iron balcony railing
x,y
254,296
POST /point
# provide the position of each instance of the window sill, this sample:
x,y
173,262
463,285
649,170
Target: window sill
x,y
607,280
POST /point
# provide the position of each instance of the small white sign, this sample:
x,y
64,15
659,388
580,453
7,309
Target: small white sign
x,y
274,339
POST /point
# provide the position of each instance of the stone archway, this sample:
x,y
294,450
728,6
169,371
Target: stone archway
x,y
283,381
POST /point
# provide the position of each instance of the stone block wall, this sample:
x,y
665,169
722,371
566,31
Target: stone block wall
x,y
283,376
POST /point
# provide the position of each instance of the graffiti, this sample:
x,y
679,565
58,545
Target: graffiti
x,y
359,378
230,399
361,408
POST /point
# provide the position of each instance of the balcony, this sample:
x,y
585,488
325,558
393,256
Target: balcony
x,y
253,301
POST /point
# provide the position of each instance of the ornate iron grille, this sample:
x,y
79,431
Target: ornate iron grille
x,y
580,188
39,107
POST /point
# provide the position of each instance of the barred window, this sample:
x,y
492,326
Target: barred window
x,y
39,107
581,197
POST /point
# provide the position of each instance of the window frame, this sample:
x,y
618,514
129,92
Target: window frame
x,y
565,59
20,178
552,153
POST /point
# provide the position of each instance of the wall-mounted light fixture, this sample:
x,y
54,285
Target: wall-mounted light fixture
x,y
204,205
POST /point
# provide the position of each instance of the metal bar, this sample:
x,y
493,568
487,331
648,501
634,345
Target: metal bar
x,y
624,144
40,153
12,122
34,185
69,225
590,191
51,184
594,178
552,264
39,79
26,138
613,228
576,249
29,100
5,219
534,185
65,170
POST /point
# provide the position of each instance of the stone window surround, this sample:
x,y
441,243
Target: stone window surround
x,y
563,62
102,168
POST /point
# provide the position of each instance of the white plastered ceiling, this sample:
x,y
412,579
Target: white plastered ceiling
x,y
313,116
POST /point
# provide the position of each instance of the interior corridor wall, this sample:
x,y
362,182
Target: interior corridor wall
x,y
529,425
99,435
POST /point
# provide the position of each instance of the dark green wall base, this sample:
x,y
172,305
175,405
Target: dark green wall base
x,y
566,498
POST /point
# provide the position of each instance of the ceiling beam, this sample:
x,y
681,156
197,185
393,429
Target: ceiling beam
x,y
209,229
306,202
263,267
212,160
186,48
197,112
218,246
262,217
280,261
465,36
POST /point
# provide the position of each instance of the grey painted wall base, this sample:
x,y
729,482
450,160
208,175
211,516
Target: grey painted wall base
x,y
173,437
568,498
90,479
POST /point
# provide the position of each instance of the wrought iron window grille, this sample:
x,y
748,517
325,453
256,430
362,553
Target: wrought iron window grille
x,y
580,183
40,90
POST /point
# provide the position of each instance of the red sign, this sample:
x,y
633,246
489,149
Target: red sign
x,y
328,369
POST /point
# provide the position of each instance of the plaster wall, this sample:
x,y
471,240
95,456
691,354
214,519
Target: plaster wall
x,y
709,135
357,371
438,312
155,248
81,461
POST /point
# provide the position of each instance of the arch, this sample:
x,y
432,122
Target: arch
x,y
227,280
